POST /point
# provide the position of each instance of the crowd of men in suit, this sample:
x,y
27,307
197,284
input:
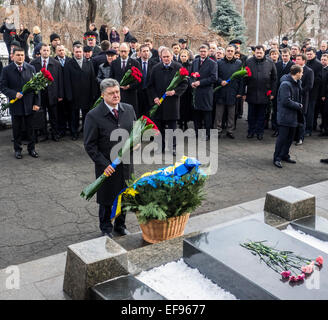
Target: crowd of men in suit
x,y
78,75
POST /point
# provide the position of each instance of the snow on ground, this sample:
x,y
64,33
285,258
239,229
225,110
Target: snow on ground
x,y
312,241
177,281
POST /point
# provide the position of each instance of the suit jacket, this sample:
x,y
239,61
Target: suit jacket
x,y
160,79
98,127
282,71
98,60
208,76
12,81
66,60
151,64
80,84
56,89
128,96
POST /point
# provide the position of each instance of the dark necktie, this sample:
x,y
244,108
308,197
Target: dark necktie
x,y
45,64
123,64
20,68
144,74
201,61
115,113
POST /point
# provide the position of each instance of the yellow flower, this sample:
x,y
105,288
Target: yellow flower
x,y
131,192
13,101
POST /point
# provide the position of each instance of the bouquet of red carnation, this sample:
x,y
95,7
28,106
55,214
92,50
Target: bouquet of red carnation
x,y
130,76
140,127
243,72
39,81
181,75
194,75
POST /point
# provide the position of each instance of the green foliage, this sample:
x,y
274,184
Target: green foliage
x,y
165,198
227,22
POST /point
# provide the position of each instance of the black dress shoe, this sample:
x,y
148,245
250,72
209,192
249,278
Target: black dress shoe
x,y
33,154
277,164
259,137
75,137
289,160
55,138
108,234
275,134
324,160
230,135
121,231
18,155
250,136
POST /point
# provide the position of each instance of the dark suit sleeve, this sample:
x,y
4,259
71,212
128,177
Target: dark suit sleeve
x,y
93,81
151,86
10,93
67,82
310,81
212,78
90,134
286,97
274,80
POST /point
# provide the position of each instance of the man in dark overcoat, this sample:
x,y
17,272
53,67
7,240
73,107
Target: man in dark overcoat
x,y
263,80
226,96
54,93
168,112
203,102
13,78
118,69
80,87
111,114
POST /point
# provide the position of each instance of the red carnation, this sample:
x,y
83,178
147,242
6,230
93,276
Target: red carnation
x,y
269,93
249,72
150,122
184,72
195,75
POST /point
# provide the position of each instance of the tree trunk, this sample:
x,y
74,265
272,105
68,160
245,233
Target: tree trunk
x,y
126,11
57,10
92,11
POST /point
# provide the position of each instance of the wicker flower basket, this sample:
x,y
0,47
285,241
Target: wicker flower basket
x,y
155,231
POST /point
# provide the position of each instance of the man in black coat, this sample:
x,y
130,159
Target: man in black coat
x,y
104,68
289,105
324,95
226,96
307,85
63,108
80,87
263,80
283,67
203,102
144,100
13,78
127,35
168,111
315,65
101,57
54,93
118,69
100,123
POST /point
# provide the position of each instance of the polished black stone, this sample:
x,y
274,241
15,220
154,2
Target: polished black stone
x,y
314,225
218,255
124,288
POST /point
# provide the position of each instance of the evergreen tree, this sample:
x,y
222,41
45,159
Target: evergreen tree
x,y
227,22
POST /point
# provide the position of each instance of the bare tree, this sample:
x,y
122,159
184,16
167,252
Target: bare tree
x,y
126,11
57,10
92,12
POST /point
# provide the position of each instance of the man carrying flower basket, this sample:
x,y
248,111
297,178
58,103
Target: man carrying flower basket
x,y
100,122
13,78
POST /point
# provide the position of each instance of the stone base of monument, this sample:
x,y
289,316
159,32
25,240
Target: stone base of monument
x,y
290,203
315,226
218,255
124,288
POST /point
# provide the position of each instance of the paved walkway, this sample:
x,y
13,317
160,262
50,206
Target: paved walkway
x,y
41,212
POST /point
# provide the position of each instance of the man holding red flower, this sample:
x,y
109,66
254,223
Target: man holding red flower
x,y
53,93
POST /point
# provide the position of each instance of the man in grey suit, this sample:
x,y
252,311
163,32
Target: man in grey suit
x,y
100,123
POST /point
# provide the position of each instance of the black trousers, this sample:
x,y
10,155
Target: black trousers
x,y
105,223
52,112
143,103
20,124
283,143
166,124
64,111
325,116
200,117
75,119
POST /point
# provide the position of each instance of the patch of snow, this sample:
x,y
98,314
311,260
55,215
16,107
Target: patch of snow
x,y
177,281
310,240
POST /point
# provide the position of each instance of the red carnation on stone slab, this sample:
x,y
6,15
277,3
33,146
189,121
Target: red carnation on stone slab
x,y
319,260
184,72
249,72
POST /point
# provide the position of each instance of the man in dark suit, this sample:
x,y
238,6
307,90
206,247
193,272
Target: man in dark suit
x,y
100,122
147,65
118,69
283,67
208,70
324,95
53,93
13,78
80,87
154,52
169,111
63,107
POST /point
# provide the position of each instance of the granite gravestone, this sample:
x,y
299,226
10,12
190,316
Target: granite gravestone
x,y
315,226
218,255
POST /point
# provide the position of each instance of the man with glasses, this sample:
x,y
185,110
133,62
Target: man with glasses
x,y
118,69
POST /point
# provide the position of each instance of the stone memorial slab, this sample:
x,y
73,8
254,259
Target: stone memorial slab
x,y
315,226
290,203
92,262
124,288
218,255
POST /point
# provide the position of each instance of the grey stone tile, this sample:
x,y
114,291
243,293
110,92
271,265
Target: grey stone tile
x,y
52,289
26,292
254,206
